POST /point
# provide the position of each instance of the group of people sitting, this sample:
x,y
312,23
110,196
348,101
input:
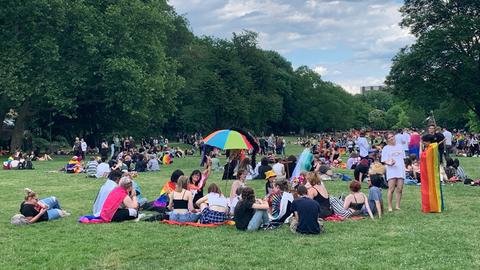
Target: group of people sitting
x,y
182,199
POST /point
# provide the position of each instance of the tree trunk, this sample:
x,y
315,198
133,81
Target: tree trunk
x,y
19,129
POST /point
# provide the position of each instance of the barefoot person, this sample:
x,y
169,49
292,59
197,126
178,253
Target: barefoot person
x,y
393,157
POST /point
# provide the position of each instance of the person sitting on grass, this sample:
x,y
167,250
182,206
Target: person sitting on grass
x,y
35,210
107,187
353,203
141,164
306,213
74,166
181,203
263,168
92,167
198,180
153,165
162,201
121,203
236,199
270,176
214,206
280,201
103,169
375,200
250,213
319,193
460,171
240,182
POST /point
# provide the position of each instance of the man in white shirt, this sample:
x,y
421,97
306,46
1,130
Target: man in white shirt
x,y
363,145
103,169
448,141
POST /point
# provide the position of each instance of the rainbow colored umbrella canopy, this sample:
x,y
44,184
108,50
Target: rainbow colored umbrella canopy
x,y
227,139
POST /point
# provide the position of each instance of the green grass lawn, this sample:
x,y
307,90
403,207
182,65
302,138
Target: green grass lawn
x,y
406,239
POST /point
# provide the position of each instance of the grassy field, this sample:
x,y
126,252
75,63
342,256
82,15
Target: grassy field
x,y
406,239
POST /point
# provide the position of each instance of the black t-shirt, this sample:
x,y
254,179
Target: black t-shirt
x,y
262,170
308,212
360,169
28,210
243,214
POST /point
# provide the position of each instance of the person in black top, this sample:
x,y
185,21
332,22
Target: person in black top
x,y
439,138
263,168
361,170
36,210
306,213
250,213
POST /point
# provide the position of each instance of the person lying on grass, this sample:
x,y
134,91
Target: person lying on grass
x,y
181,203
306,214
214,206
121,203
250,213
36,210
353,203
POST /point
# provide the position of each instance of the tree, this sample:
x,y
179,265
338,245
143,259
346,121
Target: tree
x,y
377,119
97,66
444,62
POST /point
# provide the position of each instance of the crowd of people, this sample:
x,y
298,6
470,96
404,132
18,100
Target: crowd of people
x,y
383,160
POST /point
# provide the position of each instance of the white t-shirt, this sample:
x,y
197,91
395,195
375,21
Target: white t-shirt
x,y
279,170
398,155
102,170
406,138
401,141
363,146
217,199
448,137
83,146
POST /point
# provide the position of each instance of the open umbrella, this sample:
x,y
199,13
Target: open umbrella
x,y
228,139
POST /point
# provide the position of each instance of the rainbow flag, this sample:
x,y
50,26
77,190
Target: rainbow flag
x,y
431,188
162,200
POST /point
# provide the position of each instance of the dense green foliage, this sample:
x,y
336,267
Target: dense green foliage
x,y
441,70
92,68
407,239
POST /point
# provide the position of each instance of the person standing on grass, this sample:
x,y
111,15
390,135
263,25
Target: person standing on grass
x,y
83,147
306,214
393,157
250,213
363,145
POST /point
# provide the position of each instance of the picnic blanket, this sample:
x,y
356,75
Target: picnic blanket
x,y
337,218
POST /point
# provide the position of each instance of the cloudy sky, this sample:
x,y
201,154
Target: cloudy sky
x,y
349,42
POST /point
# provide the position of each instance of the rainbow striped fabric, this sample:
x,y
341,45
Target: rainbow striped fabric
x,y
431,188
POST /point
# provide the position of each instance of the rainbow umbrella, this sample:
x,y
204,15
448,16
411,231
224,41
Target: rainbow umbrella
x,y
227,139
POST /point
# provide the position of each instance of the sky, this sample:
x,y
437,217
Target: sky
x,y
348,42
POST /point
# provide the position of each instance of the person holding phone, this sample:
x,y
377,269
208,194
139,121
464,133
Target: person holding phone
x,y
393,156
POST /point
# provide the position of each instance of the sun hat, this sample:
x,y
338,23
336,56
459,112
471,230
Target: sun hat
x,y
18,219
269,174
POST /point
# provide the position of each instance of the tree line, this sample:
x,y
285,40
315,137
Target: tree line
x,y
93,68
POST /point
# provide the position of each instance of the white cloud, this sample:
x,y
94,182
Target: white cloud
x,y
320,70
353,40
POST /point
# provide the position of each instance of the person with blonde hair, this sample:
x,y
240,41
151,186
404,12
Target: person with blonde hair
x,y
36,210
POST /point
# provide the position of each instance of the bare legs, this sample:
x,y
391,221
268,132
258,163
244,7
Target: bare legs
x,y
394,184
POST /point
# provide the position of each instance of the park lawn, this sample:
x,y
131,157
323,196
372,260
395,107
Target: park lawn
x,y
406,239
